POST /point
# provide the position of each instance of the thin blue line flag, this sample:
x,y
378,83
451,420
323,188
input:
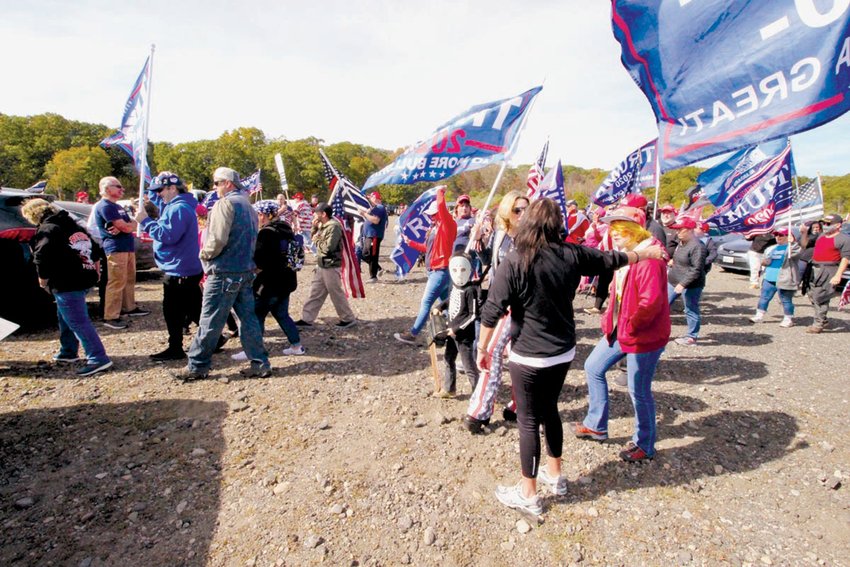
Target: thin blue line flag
x,y
130,137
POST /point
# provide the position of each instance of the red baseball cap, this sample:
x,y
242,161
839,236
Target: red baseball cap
x,y
631,214
667,209
687,223
374,195
635,200
463,198
298,196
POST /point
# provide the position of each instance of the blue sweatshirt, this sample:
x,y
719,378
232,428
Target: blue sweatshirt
x,y
175,236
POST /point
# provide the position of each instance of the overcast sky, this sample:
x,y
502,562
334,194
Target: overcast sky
x,y
379,72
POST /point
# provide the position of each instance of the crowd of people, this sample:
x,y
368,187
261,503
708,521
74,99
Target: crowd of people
x,y
504,279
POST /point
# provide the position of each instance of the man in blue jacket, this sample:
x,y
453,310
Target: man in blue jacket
x,y
227,256
175,236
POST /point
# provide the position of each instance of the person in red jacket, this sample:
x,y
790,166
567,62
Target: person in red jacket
x,y
438,249
636,326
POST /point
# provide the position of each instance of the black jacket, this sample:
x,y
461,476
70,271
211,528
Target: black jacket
x,y
688,265
468,305
64,254
541,298
275,278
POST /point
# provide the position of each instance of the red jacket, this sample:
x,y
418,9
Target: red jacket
x,y
644,319
444,241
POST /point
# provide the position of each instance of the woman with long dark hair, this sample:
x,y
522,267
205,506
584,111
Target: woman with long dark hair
x,y
537,281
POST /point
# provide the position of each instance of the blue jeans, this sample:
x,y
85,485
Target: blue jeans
x,y
436,287
641,369
75,327
223,292
278,306
786,296
691,299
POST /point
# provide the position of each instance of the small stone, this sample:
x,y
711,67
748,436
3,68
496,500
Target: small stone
x,y
133,517
337,509
101,476
577,557
280,488
592,512
24,503
224,380
522,527
826,446
585,480
833,483
313,541
687,515
86,562
323,426
429,537
685,557
197,452
405,559
507,545
718,469
182,506
405,523
238,406
766,560
502,431
419,422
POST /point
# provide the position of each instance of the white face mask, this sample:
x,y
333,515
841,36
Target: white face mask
x,y
831,228
460,270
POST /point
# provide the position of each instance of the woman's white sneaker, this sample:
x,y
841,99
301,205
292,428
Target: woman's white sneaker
x,y
294,351
239,356
511,496
557,484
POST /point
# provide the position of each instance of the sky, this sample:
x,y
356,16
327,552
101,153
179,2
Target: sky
x,y
385,73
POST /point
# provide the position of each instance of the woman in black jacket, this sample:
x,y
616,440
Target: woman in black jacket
x,y
537,281
63,253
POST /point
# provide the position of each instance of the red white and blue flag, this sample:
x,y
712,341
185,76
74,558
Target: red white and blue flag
x,y
352,281
633,174
132,134
535,173
552,187
252,183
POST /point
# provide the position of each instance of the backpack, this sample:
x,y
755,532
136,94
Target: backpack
x,y
294,252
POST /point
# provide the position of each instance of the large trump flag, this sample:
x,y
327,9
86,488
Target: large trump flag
x,y
724,74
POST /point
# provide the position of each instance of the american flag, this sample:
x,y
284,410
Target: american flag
x,y
352,282
252,183
535,173
845,297
352,197
806,204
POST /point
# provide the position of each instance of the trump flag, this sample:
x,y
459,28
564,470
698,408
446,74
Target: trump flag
x,y
480,136
724,74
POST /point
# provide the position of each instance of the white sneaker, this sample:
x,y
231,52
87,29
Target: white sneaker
x,y
558,485
787,322
239,356
758,317
511,496
294,351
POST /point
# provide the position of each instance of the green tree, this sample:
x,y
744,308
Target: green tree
x,y
77,169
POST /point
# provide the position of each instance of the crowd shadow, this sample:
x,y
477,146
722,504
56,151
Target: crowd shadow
x,y
51,370
735,338
719,444
104,484
714,370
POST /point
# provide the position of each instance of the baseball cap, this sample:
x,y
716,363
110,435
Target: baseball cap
x,y
630,214
375,195
686,223
634,200
298,196
667,209
463,198
227,174
780,231
832,219
572,202
431,209
164,179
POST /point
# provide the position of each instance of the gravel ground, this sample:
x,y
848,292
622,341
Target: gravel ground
x,y
344,458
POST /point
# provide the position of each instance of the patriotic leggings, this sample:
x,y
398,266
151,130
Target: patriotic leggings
x,y
483,398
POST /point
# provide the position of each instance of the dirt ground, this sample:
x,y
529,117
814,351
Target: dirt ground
x,y
344,458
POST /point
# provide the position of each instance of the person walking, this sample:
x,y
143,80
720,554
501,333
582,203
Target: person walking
x,y
227,257
65,259
375,223
636,326
830,258
781,275
686,276
327,234
176,249
537,281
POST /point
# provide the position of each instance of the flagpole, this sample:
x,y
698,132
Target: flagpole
x,y
657,180
145,145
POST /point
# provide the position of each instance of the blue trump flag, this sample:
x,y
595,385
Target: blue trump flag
x,y
480,136
724,74
754,194
552,187
634,173
132,135
414,224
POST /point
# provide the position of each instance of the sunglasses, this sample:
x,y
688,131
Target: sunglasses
x,y
219,182
519,210
117,186
825,223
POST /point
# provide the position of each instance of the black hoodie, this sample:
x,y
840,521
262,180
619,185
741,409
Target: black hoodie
x,y
274,278
64,253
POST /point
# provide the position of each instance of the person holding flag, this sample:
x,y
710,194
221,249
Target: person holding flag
x,y
438,248
327,234
373,233
830,258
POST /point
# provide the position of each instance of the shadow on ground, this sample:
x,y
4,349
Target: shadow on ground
x,y
110,484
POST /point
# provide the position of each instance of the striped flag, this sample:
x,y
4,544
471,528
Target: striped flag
x,y
38,187
252,183
343,195
353,198
535,173
845,297
806,204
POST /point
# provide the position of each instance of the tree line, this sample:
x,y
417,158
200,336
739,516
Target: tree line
x,y
66,154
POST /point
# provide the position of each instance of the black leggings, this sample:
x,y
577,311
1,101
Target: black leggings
x,y
181,302
537,391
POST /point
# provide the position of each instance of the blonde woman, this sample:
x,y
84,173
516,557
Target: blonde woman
x,y
636,326
482,400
